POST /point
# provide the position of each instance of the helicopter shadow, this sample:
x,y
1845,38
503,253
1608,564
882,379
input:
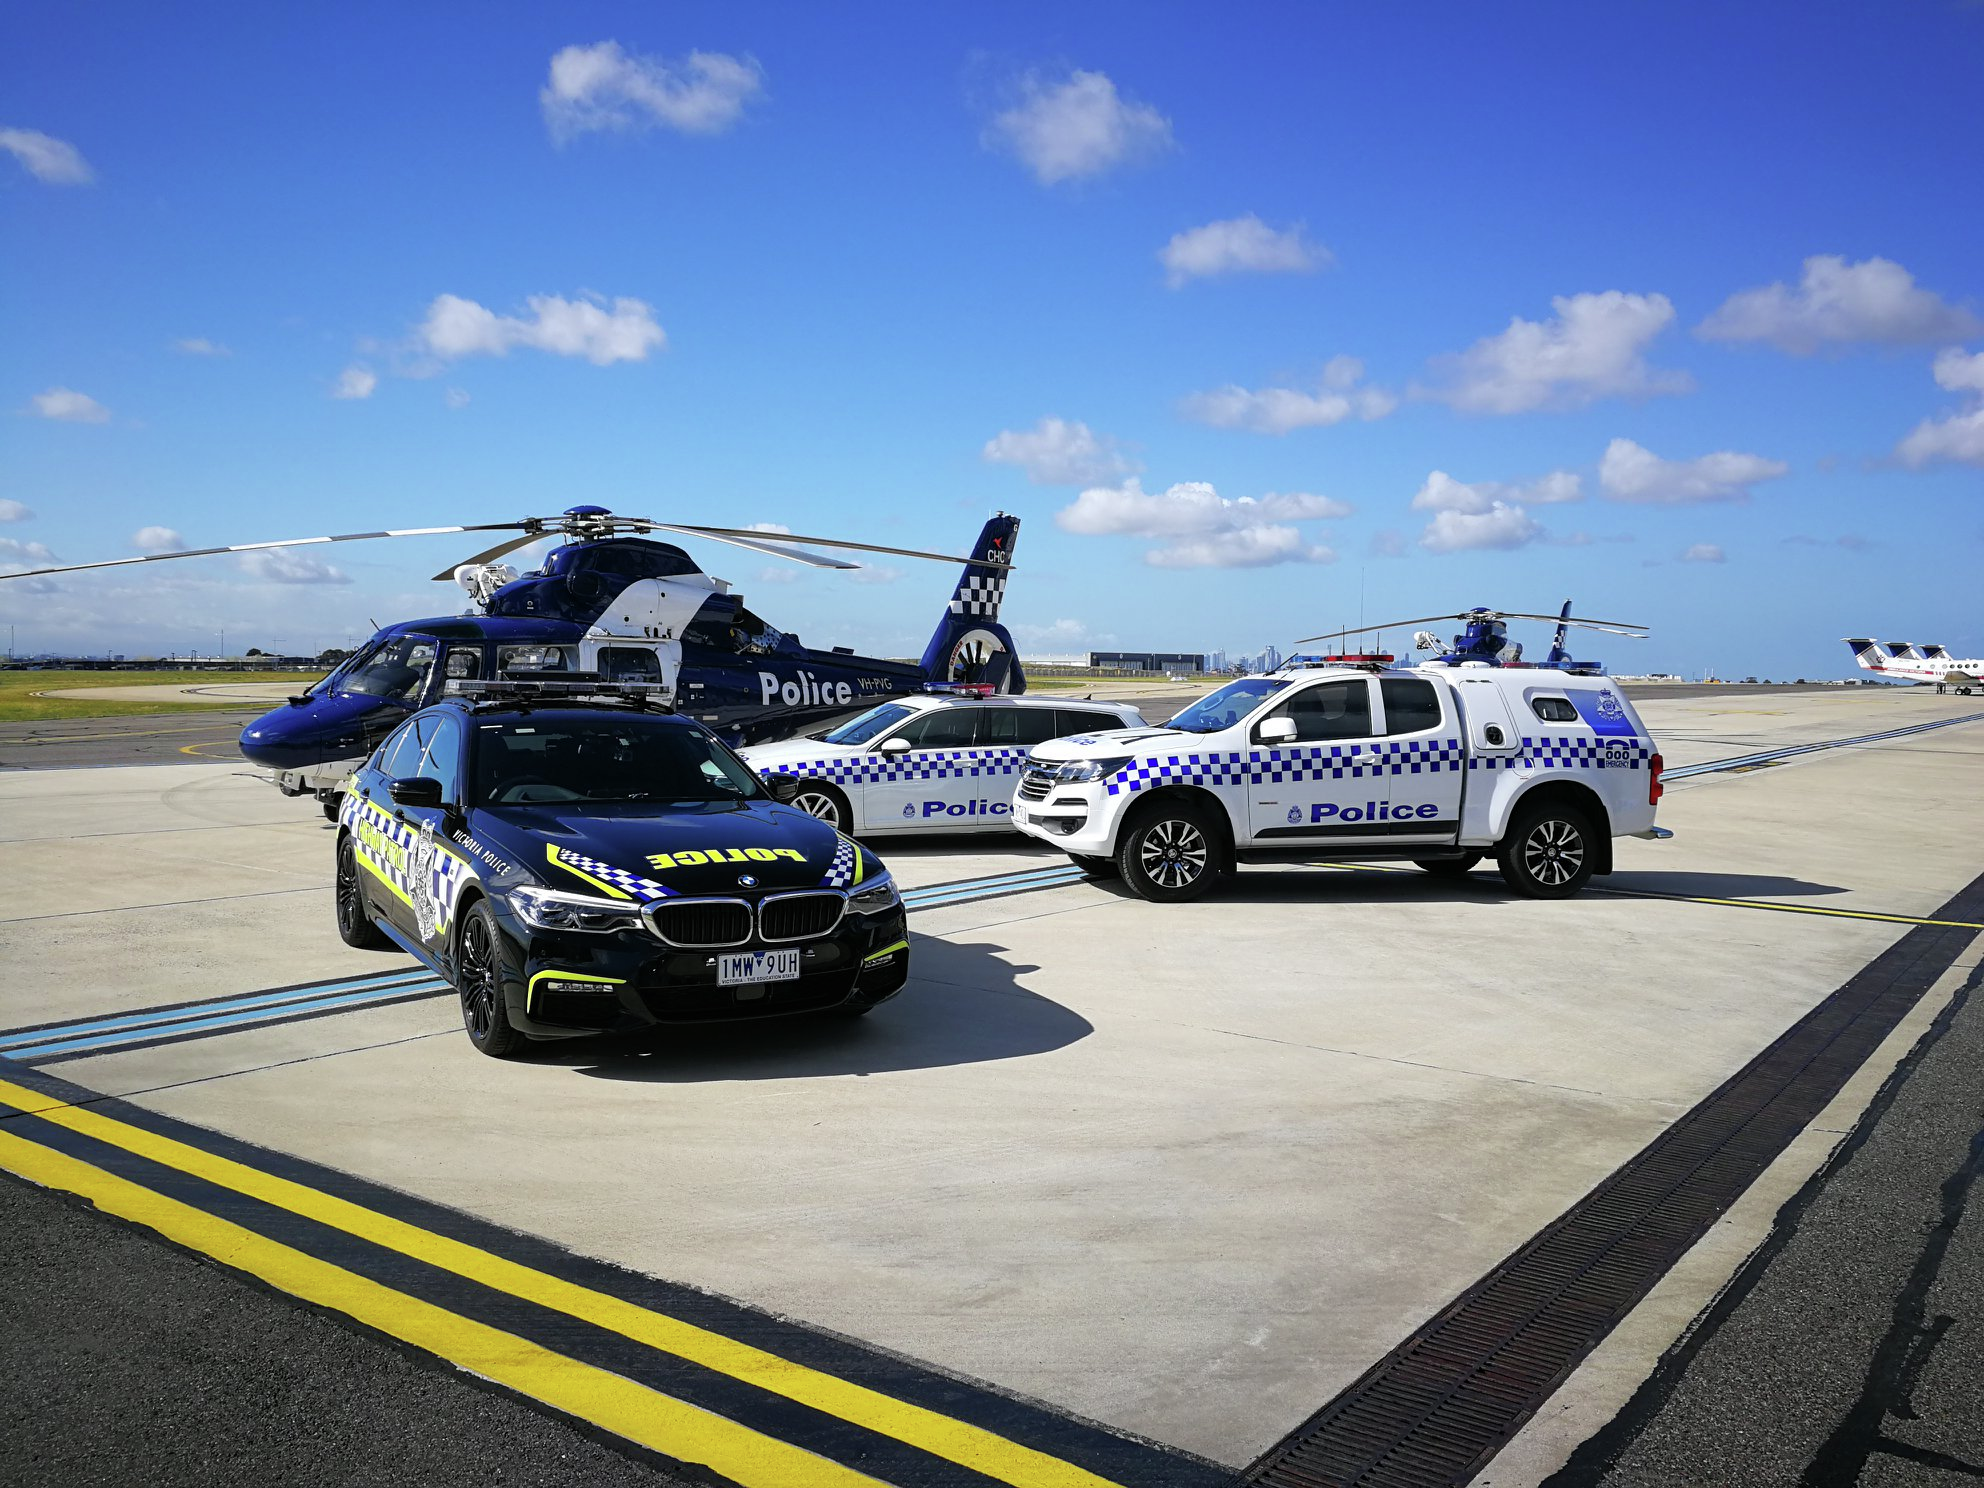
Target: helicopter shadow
x,y
964,1004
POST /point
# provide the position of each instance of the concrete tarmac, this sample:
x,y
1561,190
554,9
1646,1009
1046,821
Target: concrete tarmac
x,y
1183,1170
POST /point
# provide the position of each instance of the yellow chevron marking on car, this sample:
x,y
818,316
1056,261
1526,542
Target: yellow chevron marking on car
x,y
552,852
530,987
885,952
618,1405
696,858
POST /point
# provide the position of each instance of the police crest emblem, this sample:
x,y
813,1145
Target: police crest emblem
x,y
420,882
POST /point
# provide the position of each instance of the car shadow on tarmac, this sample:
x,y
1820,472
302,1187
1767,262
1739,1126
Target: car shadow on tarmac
x,y
964,1005
1393,886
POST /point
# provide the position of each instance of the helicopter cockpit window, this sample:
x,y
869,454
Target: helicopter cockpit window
x,y
397,670
629,664
753,636
463,664
533,659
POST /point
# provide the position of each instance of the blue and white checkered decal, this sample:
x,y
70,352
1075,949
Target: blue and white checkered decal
x,y
1279,766
926,764
1572,752
840,872
426,874
628,883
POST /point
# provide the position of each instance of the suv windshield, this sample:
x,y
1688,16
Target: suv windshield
x,y
870,725
1226,707
525,761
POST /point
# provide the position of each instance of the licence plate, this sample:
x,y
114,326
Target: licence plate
x,y
737,968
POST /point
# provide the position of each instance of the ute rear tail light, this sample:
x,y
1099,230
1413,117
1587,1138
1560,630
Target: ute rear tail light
x,y
1654,789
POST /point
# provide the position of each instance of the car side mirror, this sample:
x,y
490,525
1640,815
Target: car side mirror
x,y
784,788
897,745
415,790
1276,731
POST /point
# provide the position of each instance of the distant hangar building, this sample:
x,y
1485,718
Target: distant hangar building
x,y
1147,661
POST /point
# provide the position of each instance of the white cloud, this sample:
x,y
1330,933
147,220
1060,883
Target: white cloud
x,y
603,87
355,382
1063,634
456,398
1501,526
287,566
47,158
1078,126
585,327
1704,553
1443,493
1875,300
872,573
1207,530
69,406
1960,436
1595,347
1280,410
1060,452
778,575
1239,245
200,346
1630,472
157,540
13,511
25,552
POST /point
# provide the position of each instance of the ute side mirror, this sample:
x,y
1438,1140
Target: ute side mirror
x,y
784,788
1275,731
415,790
897,745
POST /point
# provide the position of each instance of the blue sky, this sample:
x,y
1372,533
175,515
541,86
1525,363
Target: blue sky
x,y
1498,305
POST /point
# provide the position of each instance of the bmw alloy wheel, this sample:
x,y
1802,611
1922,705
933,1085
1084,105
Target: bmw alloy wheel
x,y
1174,854
481,984
1553,852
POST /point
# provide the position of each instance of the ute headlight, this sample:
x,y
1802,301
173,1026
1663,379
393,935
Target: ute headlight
x,y
551,909
875,897
1075,772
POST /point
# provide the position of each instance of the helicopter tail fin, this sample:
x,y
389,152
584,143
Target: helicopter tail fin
x,y
969,644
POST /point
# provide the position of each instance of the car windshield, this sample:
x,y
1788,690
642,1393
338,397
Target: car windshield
x,y
397,669
531,761
870,725
1226,707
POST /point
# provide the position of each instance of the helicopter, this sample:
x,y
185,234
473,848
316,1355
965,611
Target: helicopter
x,y
1485,641
612,606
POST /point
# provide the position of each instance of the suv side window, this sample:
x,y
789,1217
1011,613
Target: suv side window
x,y
1014,727
1329,710
1553,709
1083,721
438,761
399,756
1412,704
941,728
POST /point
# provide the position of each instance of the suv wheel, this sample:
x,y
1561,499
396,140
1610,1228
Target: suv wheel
x,y
823,801
479,979
1547,853
1169,855
355,927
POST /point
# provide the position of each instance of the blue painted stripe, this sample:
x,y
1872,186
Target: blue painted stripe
x,y
205,1009
232,1021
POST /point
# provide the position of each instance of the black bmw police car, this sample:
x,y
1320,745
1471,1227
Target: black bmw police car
x,y
594,866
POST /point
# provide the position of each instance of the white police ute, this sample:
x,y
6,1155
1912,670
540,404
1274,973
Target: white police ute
x,y
943,762
1437,765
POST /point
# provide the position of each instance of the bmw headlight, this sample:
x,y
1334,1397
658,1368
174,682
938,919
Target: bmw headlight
x,y
551,909
1075,772
873,898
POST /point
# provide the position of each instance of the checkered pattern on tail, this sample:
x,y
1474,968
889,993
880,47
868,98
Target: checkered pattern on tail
x,y
840,872
620,878
1281,766
979,594
929,764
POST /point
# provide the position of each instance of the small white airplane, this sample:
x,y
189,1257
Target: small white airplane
x,y
1914,663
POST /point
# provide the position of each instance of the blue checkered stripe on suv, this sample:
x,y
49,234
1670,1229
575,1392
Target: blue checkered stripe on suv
x,y
928,764
1572,752
1279,766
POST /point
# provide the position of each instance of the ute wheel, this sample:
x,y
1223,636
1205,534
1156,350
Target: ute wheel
x,y
817,798
1449,867
332,804
1092,867
1170,854
1548,852
355,927
479,979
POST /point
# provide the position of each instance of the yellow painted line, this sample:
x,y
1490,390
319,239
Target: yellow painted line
x,y
607,1400
194,749
128,734
971,1446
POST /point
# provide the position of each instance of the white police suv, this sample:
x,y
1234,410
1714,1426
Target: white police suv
x,y
1436,765
943,762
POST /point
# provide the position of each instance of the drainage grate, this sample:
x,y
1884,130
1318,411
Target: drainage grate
x,y
1440,1405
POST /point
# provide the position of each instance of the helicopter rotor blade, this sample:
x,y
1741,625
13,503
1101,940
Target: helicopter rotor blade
x,y
757,542
1388,625
257,547
835,542
1622,626
489,555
